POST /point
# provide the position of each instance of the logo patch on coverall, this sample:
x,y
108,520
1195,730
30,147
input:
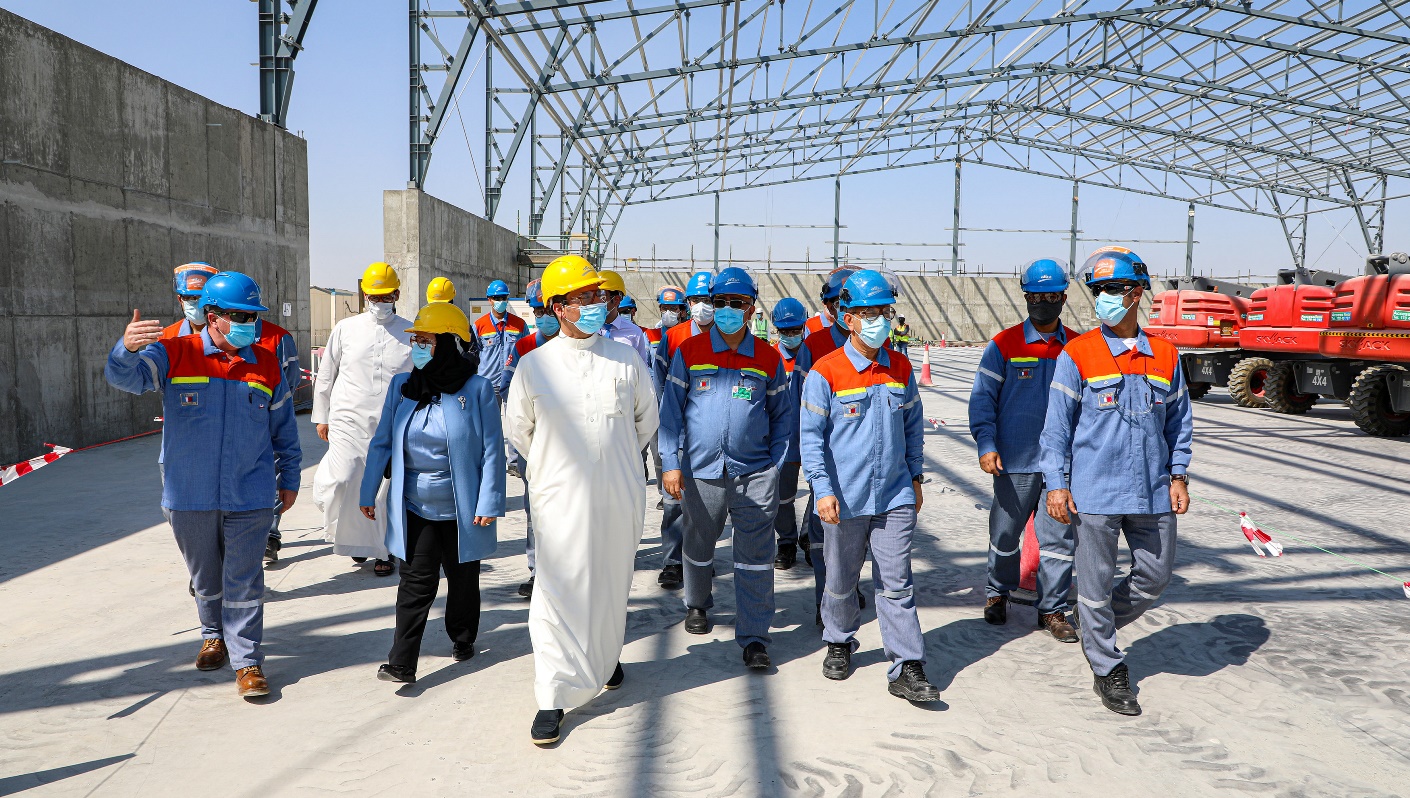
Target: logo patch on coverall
x,y
702,384
852,411
190,400
744,392
1025,374
1106,399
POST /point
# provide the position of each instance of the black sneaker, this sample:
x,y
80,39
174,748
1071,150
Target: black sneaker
x,y
616,680
271,551
756,657
397,673
462,651
787,556
526,590
545,728
696,621
191,588
912,684
672,577
1115,690
837,665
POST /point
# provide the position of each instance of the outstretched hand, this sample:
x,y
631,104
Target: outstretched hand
x,y
140,334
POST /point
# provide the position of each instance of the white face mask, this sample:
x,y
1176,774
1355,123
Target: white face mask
x,y
702,312
669,319
381,311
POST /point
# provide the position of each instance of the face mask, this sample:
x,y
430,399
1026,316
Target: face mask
x,y
728,320
1111,309
669,318
192,309
703,313
791,341
1044,313
501,305
875,332
241,335
421,354
381,311
547,324
591,318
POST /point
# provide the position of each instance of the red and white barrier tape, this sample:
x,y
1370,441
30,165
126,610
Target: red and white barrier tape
x,y
1257,536
936,423
18,470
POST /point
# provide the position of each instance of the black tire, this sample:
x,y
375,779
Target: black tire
x,y
1370,404
1198,390
1247,381
1280,390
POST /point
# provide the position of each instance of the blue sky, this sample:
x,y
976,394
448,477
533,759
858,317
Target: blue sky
x,y
350,103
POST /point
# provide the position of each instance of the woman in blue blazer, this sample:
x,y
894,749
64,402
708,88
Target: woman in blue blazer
x,y
441,444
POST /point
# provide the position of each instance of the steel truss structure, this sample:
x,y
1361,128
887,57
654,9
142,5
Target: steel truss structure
x,y
1281,108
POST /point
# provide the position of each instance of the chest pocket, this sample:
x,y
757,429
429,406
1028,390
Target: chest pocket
x,y
895,396
1104,394
256,397
704,380
749,387
849,406
191,394
618,399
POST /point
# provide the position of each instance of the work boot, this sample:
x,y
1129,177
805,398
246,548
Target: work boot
x,y
616,680
1056,624
696,621
397,673
912,684
251,682
545,728
837,665
756,657
512,469
1115,690
787,556
462,651
212,654
526,590
996,610
672,577
271,551
818,620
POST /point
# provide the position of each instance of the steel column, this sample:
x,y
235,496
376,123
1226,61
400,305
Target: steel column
x,y
717,232
1072,240
955,236
1190,243
836,219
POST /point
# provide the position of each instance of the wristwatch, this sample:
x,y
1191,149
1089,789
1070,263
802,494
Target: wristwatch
x,y
1180,478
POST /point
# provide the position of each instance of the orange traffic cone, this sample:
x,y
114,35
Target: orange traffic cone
x,y
925,367
942,340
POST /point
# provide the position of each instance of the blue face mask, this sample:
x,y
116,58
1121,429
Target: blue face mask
x,y
547,324
728,320
191,308
1111,309
875,332
421,354
241,335
791,341
501,305
591,318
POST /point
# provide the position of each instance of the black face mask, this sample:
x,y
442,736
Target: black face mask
x,y
1044,313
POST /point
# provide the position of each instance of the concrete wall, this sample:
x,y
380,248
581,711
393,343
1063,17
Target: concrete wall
x,y
109,178
425,238
324,311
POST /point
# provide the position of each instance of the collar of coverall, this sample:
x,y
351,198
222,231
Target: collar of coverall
x,y
246,353
1032,336
717,342
1117,346
860,362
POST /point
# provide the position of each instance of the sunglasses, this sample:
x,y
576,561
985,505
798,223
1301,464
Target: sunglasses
x,y
737,304
867,314
1114,289
1051,296
238,316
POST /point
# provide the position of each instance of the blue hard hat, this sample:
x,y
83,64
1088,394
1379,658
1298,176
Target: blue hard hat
x,y
627,303
232,291
1116,263
867,289
534,294
191,277
699,285
670,295
789,313
832,284
497,288
733,280
1044,276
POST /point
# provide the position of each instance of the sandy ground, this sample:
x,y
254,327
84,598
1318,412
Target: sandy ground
x,y
1266,677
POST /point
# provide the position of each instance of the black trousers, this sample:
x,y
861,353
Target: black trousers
x,y
432,546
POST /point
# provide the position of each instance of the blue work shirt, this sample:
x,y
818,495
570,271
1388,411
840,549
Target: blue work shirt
x,y
228,421
725,411
795,394
861,433
496,341
1124,421
429,492
1009,401
285,350
665,351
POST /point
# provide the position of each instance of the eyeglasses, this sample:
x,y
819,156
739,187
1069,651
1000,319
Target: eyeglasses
x,y
238,316
868,314
790,330
423,339
737,304
383,299
670,308
1114,289
541,312
586,298
1051,296
697,300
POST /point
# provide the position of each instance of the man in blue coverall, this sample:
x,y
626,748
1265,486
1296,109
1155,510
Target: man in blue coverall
x,y
228,430
1120,422
1007,407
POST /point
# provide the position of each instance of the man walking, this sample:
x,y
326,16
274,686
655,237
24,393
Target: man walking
x,y
496,333
546,329
789,317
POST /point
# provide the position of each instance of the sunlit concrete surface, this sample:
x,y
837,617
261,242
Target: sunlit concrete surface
x,y
1262,677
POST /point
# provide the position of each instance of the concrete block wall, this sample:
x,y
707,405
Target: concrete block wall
x,y
424,238
109,178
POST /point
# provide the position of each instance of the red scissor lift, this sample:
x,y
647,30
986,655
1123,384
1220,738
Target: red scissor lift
x,y
1203,318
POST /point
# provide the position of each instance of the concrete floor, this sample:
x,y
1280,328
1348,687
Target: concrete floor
x,y
1268,677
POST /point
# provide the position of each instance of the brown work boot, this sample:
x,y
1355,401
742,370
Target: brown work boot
x,y
996,610
212,654
1056,623
251,682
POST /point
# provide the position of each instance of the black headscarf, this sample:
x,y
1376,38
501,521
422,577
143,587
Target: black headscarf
x,y
446,373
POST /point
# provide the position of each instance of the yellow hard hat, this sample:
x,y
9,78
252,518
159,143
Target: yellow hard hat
x,y
440,290
566,275
441,317
612,281
380,278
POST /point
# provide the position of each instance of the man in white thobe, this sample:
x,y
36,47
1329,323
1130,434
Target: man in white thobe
x,y
581,407
363,354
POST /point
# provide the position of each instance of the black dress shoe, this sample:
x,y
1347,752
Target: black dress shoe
x,y
359,560
1115,690
672,577
757,657
696,621
271,551
526,590
996,610
837,665
616,680
462,651
912,684
787,556
545,728
397,673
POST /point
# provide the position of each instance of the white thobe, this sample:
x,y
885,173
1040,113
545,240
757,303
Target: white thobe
x,y
362,357
581,410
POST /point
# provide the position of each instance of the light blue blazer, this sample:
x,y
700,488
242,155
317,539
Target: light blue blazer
x,y
475,441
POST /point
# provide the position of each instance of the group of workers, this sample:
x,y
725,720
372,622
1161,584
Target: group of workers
x,y
1088,435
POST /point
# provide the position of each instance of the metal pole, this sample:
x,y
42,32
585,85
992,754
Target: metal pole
x,y
955,237
417,174
535,218
1072,244
268,47
1190,244
489,129
836,219
717,232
